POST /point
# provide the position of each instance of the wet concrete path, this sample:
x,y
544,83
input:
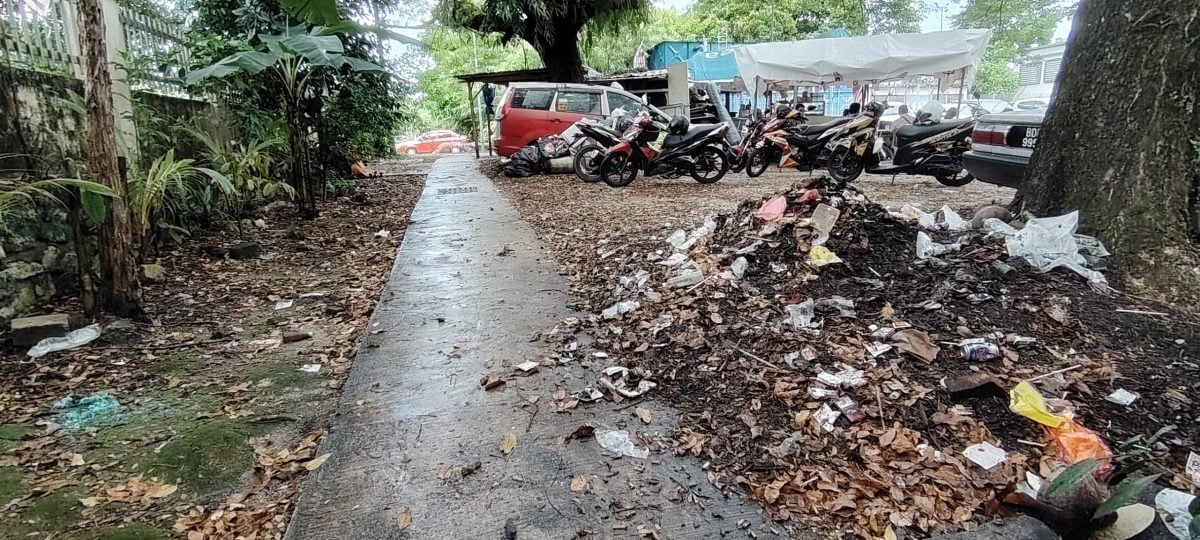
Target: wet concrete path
x,y
417,436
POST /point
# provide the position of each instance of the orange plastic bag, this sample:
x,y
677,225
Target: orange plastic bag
x,y
1070,441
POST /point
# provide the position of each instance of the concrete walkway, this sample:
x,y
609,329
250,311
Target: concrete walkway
x,y
412,415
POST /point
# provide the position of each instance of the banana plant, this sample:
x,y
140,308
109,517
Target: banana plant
x,y
293,57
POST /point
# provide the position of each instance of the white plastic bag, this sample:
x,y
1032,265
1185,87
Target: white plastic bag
x,y
73,339
927,248
801,315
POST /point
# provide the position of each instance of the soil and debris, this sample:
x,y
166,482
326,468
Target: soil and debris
x,y
201,421
843,382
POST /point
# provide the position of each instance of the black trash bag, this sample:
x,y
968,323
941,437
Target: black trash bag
x,y
526,162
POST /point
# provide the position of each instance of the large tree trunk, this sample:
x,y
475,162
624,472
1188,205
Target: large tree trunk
x,y
1121,143
561,56
122,292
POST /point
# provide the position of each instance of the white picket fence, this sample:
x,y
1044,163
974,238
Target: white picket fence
x,y
42,35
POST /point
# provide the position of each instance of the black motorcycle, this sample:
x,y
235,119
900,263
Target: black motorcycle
x,y
789,141
700,151
925,148
594,139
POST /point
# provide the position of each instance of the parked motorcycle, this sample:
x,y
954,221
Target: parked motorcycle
x,y
930,146
739,154
700,151
790,141
593,139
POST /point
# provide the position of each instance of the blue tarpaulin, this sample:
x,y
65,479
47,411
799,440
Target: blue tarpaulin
x,y
713,66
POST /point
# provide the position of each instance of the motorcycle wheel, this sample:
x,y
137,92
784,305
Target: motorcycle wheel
x,y
617,170
737,164
710,165
757,163
587,163
844,165
959,179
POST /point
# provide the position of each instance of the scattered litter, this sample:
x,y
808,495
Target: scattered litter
x,y
916,343
492,380
382,234
978,298
1048,243
1131,521
620,308
952,221
588,395
927,248
849,409
1019,341
1122,397
1175,503
823,219
76,413
618,442
618,379
311,368
528,366
1193,468
979,350
73,339
844,307
772,209
820,256
877,349
1140,312
686,278
739,266
508,442
826,416
283,304
1073,442
985,455
801,315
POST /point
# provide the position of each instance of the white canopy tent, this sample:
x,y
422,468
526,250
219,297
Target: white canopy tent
x,y
865,59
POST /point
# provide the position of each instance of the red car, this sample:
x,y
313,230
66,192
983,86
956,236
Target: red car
x,y
441,140
532,110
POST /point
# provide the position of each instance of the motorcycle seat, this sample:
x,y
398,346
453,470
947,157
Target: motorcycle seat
x,y
912,133
816,129
696,131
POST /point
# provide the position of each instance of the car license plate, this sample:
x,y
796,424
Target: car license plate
x,y
1024,137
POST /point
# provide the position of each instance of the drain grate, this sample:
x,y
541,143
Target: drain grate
x,y
451,191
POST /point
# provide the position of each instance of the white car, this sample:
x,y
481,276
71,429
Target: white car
x,y
1032,104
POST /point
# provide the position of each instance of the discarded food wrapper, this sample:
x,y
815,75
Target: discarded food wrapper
x,y
620,308
844,307
823,219
1193,468
849,409
1175,503
1019,341
851,378
588,395
985,455
927,248
924,219
772,209
1070,441
826,416
617,379
979,350
829,379
801,315
820,256
310,368
675,259
817,392
528,367
1122,397
283,304
739,266
73,339
619,442
877,349
1031,485
978,298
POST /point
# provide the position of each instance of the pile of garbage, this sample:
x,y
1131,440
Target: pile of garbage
x,y
853,368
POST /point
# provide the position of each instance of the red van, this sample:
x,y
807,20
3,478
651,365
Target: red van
x,y
532,110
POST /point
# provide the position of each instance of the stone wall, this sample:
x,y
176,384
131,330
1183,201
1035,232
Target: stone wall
x,y
41,128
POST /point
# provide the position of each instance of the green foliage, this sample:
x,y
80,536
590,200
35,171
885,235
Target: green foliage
x,y
1123,494
996,78
16,196
1069,480
174,194
612,52
746,21
248,168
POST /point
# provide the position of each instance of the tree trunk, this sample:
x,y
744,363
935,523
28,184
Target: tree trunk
x,y
562,57
299,155
1121,143
122,293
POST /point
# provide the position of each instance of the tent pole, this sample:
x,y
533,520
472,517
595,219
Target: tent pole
x,y
962,84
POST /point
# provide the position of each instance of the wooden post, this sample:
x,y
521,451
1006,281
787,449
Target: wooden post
x,y
474,120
